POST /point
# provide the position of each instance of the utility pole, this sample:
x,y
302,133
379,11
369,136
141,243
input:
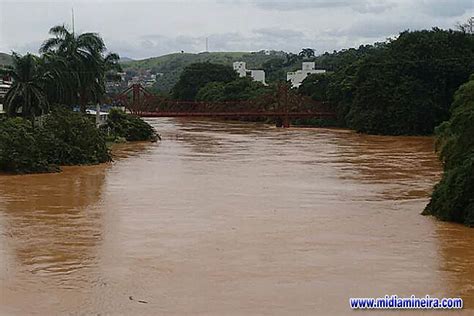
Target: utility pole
x,y
72,19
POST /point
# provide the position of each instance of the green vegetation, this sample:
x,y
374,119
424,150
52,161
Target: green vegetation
x,y
196,76
65,138
27,91
453,196
81,65
407,88
71,70
316,86
237,90
402,87
129,127
5,59
19,148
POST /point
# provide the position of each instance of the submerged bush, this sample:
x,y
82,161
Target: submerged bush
x,y
453,196
130,127
71,138
65,138
19,150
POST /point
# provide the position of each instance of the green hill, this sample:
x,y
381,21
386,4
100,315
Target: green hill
x,y
5,59
172,65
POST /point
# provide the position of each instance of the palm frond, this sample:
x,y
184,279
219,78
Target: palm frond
x,y
50,44
60,31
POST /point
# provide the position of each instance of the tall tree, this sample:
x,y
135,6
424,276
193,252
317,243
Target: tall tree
x,y
290,59
306,53
467,27
407,87
84,54
197,75
453,198
27,92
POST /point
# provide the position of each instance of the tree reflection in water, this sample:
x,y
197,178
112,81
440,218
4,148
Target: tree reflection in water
x,y
52,223
455,246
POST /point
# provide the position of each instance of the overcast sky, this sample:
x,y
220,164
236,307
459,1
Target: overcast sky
x,y
139,29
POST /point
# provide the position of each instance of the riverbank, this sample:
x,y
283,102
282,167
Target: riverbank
x,y
453,198
65,138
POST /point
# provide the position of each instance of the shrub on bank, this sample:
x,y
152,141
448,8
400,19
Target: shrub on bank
x,y
71,138
129,127
19,150
453,196
65,138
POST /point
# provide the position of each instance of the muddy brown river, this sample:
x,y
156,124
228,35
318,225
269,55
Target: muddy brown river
x,y
232,219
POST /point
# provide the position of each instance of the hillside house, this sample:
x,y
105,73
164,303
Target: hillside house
x,y
297,77
256,75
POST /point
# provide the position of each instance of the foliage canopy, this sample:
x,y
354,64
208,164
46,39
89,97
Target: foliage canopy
x,y
65,138
453,196
403,87
237,90
196,76
129,127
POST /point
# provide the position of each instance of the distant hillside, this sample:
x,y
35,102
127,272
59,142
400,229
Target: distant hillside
x,y
124,59
5,59
172,65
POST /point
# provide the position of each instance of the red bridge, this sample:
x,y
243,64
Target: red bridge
x,y
283,105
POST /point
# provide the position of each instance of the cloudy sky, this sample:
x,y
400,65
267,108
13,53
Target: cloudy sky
x,y
141,28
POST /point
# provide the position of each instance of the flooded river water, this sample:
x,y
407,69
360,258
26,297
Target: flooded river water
x,y
231,219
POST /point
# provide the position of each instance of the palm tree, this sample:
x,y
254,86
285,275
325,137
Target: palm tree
x,y
108,66
28,89
84,55
63,89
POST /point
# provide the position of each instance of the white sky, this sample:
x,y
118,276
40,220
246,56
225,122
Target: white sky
x,y
139,28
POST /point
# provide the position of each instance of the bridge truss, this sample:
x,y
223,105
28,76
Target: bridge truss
x,y
283,105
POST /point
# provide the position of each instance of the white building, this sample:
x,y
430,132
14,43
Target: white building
x,y
100,117
4,87
297,77
257,75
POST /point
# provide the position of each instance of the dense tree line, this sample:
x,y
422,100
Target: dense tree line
x,y
402,87
196,76
239,89
215,82
453,196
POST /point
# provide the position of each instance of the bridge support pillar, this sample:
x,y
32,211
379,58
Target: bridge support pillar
x,y
282,122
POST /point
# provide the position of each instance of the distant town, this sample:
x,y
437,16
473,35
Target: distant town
x,y
148,78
